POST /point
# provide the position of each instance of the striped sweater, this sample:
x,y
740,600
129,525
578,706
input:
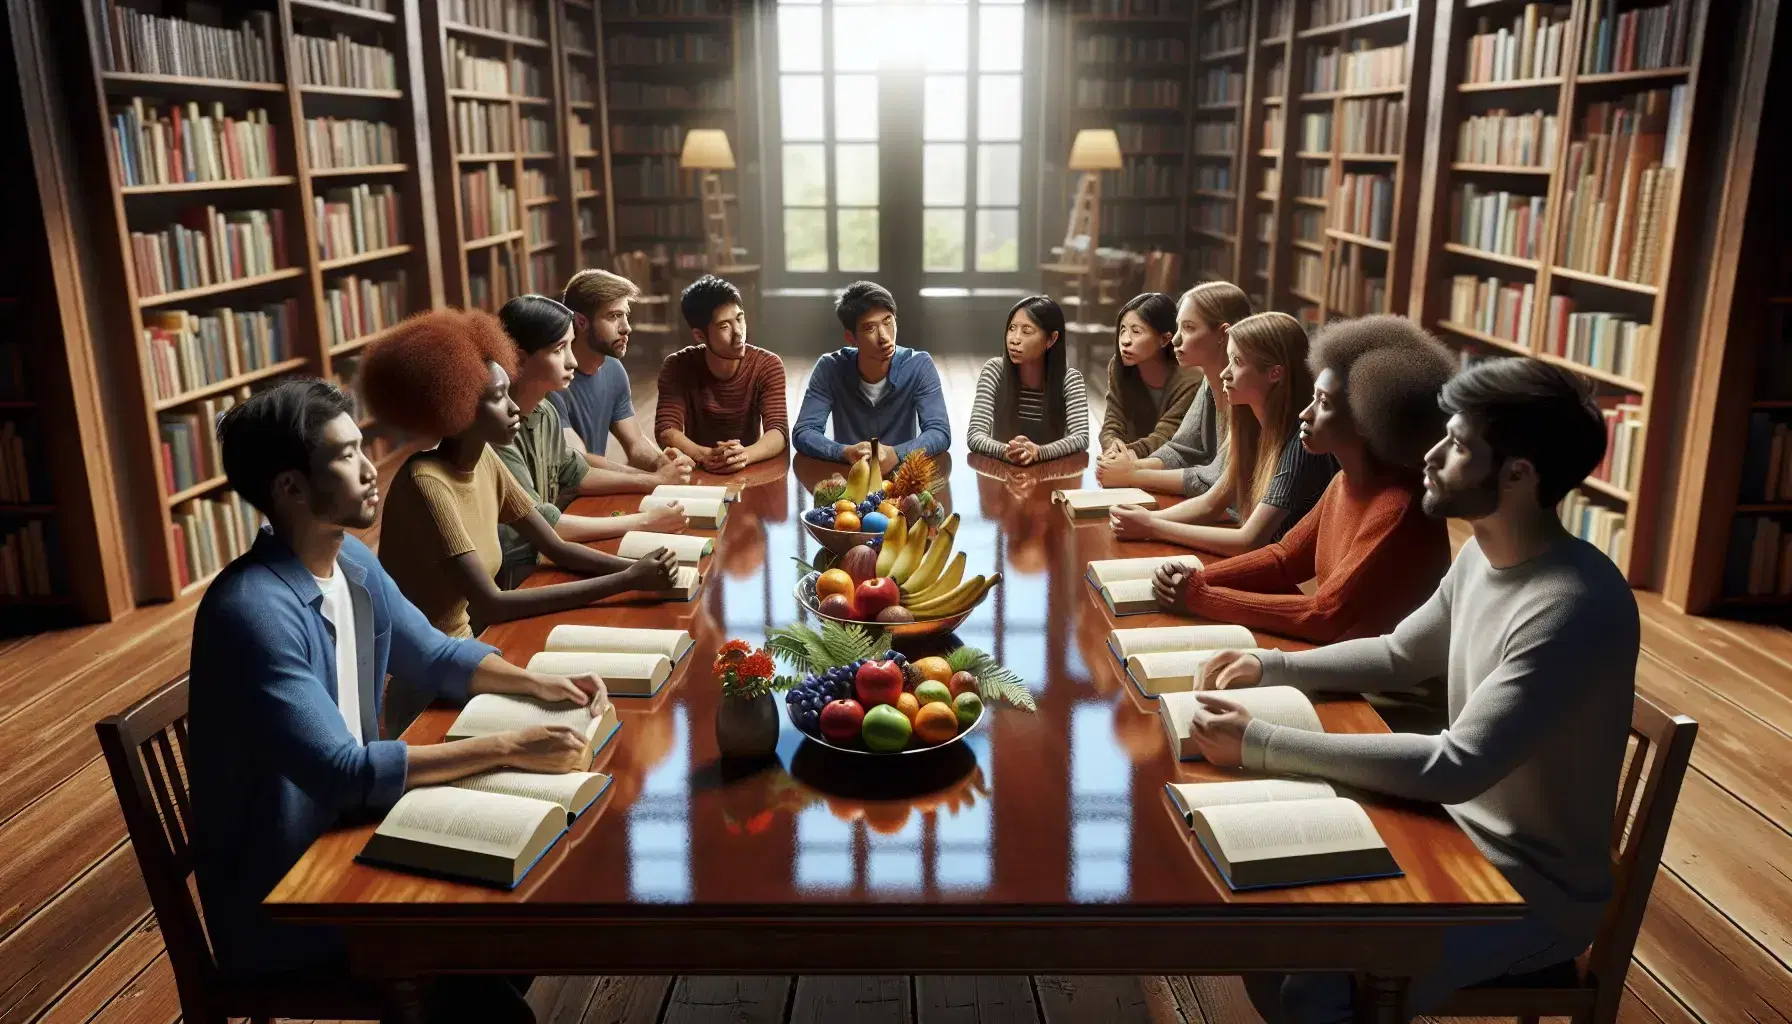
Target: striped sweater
x,y
1031,404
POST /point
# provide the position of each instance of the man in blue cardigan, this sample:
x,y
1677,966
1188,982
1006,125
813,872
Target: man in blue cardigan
x,y
872,389
291,646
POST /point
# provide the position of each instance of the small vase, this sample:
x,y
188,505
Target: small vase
x,y
747,727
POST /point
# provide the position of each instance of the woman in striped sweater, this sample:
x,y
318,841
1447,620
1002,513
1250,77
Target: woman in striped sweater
x,y
1030,406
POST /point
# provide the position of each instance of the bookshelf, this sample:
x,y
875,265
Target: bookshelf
x,y
268,203
500,127
1224,43
1548,222
668,66
1131,71
586,110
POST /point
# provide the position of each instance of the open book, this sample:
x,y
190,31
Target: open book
x,y
489,713
1094,502
1156,673
699,513
1281,832
1277,705
624,674
1125,583
685,492
673,643
489,828
1125,643
687,548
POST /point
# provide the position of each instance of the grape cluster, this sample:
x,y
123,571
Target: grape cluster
x,y
824,516
804,701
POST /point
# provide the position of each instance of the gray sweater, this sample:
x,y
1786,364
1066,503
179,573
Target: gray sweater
x,y
1540,665
1199,445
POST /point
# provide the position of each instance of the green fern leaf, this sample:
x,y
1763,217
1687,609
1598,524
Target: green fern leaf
x,y
791,649
962,659
994,683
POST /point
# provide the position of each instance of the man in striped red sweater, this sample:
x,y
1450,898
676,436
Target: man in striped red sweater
x,y
721,400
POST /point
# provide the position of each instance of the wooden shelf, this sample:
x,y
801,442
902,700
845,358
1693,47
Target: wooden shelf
x,y
1606,376
1516,83
541,156
168,298
1491,257
487,97
363,257
1631,76
1232,54
541,201
1763,506
1213,193
341,172
535,247
1356,23
27,509
357,343
587,194
348,90
208,186
229,383
1216,235
201,488
346,11
1500,169
1370,158
483,158
491,240
1314,201
1304,296
1484,338
1771,403
1312,155
1363,240
462,29
136,80
1312,247
1606,488
1602,280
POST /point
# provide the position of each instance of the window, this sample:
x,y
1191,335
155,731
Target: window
x,y
829,163
971,164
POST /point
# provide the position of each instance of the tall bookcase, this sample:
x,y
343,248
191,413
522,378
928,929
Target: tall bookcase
x,y
1131,71
1569,252
275,245
587,115
1223,46
669,66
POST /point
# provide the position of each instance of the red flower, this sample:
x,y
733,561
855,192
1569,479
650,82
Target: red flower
x,y
736,647
757,666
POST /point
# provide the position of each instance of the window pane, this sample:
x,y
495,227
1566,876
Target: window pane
x,y
799,38
805,175
942,240
855,107
942,111
998,239
998,175
857,43
942,174
855,175
805,240
857,234
998,107
948,37
799,104
1000,33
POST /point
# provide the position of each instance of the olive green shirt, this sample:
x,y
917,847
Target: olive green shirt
x,y
549,470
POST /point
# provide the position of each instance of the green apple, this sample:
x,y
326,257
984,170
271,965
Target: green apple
x,y
933,691
886,729
968,706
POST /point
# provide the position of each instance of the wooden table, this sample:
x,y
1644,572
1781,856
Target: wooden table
x,y
1048,847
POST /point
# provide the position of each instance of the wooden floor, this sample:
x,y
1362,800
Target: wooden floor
x,y
77,941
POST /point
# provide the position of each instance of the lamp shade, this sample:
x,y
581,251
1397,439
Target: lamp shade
x,y
706,149
1095,149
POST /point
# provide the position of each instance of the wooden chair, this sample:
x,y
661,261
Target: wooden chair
x,y
146,751
1658,757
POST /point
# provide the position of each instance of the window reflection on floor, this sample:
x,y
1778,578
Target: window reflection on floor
x,y
824,850
659,830
1100,811
961,838
893,861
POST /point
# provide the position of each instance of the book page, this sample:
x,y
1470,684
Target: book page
x,y
1190,796
616,639
707,492
1103,497
694,508
467,819
684,547
1111,570
1152,639
607,664
489,713
1123,592
684,580
1277,705
1297,828
568,790
1160,665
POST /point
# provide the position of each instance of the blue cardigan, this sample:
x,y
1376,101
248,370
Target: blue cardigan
x,y
272,765
910,415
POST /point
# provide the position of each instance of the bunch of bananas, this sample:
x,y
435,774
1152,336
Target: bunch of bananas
x,y
865,477
931,587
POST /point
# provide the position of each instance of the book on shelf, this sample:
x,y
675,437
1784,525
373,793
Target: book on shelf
x,y
1178,707
672,644
190,450
1353,290
336,143
209,246
1759,560
1604,341
1364,205
1498,138
1321,13
1619,181
685,48
187,350
1529,45
341,62
25,568
490,828
15,471
626,674
1275,833
1623,433
482,127
1124,643
1602,527
1492,306
1501,222
1096,502
190,143
357,219
1766,460
208,533
699,513
469,71
688,549
138,43
488,205
515,17
1372,125
486,714
1128,93
356,307
13,386
1635,40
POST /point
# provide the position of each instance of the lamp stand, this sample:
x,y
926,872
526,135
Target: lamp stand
x,y
715,221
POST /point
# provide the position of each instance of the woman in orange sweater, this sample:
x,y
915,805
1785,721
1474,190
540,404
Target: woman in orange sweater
x,y
1368,543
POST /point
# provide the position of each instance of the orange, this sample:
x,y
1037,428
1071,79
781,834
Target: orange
x,y
935,668
834,581
908,704
935,723
848,521
846,506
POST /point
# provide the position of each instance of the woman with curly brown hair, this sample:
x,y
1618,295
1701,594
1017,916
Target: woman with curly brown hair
x,y
1373,551
446,374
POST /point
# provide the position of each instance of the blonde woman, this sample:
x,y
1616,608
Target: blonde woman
x,y
1271,480
1194,459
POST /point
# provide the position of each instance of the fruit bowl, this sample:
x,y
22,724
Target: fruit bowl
x,y
805,596
818,689
839,541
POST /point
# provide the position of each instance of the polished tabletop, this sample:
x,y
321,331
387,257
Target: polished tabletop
x,y
1058,813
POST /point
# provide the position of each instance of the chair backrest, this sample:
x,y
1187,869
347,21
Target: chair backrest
x,y
146,751
1660,751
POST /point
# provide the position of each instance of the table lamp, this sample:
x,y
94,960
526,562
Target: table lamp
x,y
707,150
1093,151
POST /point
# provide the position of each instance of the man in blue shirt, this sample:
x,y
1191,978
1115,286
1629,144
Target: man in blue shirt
x,y
872,389
291,646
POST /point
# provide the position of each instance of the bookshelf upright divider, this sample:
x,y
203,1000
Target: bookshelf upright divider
x,y
1223,47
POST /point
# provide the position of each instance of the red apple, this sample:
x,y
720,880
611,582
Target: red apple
x,y
878,682
875,595
841,720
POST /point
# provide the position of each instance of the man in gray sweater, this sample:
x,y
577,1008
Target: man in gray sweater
x,y
1535,632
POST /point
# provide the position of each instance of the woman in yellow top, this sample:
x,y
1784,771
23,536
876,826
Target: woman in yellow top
x,y
446,374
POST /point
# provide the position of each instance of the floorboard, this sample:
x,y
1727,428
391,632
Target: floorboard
x,y
726,1000
149,998
1709,964
1098,999
55,947
108,977
966,999
627,1000
73,826
852,999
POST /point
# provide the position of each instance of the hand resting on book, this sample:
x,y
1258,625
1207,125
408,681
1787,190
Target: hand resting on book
x,y
1218,730
1230,670
1166,584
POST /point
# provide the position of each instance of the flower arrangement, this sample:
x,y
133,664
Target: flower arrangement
x,y
745,672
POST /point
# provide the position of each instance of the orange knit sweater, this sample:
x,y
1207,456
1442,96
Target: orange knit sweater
x,y
1375,557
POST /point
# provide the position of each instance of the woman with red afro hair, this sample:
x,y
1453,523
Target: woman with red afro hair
x,y
445,374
